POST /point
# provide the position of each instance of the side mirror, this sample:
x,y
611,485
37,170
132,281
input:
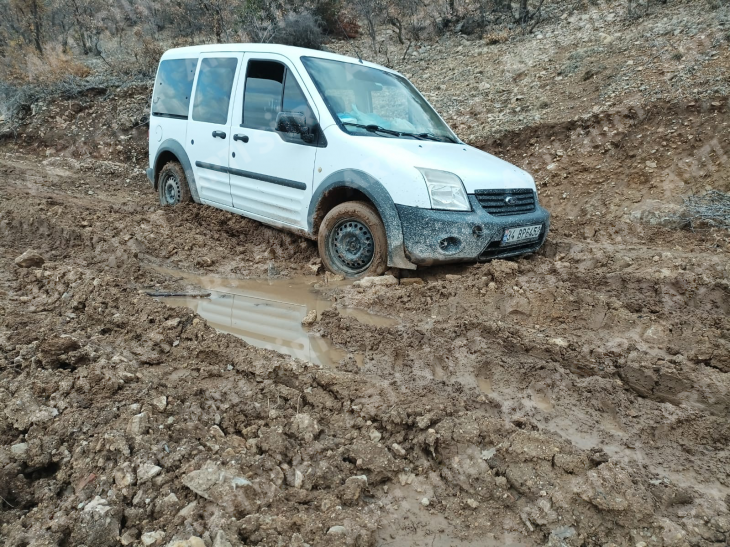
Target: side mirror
x,y
296,123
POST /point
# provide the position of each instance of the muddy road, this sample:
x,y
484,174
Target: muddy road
x,y
579,396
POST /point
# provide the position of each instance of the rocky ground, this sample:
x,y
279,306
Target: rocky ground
x,y
575,397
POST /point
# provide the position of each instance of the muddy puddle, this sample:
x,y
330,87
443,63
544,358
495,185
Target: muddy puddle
x,y
268,313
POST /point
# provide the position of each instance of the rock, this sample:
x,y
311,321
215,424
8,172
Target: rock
x,y
353,488
146,472
138,425
398,450
188,510
425,502
221,540
129,537
29,259
305,427
337,531
226,487
98,524
19,450
152,538
472,503
452,277
375,435
310,318
160,403
379,281
124,476
411,281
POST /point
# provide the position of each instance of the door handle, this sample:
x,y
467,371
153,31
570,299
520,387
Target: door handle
x,y
220,134
242,138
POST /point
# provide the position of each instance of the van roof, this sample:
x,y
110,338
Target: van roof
x,y
289,51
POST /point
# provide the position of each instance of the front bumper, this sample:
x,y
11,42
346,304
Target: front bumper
x,y
442,237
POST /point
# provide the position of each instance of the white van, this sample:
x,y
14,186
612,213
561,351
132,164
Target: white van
x,y
336,149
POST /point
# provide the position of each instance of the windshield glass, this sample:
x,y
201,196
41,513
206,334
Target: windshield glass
x,y
371,101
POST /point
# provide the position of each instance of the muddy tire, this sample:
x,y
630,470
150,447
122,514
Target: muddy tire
x,y
172,185
352,241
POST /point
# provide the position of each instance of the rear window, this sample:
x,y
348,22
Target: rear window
x,y
213,94
174,84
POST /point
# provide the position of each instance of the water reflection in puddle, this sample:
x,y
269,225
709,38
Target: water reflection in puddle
x,y
268,313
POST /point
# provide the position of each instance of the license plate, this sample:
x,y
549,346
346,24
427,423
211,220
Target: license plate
x,y
523,233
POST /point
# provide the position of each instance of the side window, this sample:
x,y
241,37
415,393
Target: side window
x,y
171,96
294,99
262,94
213,92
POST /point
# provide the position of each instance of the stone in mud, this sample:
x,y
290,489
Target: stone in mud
x,y
305,427
152,538
138,425
98,524
160,403
146,472
610,487
411,281
225,487
25,410
379,281
221,540
19,450
353,488
337,531
29,259
310,318
398,450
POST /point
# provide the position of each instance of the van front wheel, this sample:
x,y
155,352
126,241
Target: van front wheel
x,y
173,185
352,241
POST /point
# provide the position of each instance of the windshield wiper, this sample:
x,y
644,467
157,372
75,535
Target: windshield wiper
x,y
432,137
377,129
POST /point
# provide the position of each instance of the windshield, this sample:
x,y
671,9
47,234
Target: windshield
x,y
371,101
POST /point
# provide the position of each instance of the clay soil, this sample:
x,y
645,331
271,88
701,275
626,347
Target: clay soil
x,y
579,396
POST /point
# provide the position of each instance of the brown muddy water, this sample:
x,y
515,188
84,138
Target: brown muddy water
x,y
268,313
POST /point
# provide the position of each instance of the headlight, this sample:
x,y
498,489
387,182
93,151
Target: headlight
x,y
446,190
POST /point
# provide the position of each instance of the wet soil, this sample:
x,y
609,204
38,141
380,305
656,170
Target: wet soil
x,y
578,396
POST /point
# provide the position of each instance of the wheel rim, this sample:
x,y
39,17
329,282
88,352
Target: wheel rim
x,y
351,246
172,190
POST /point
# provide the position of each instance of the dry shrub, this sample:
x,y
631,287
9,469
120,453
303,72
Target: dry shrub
x,y
24,65
497,37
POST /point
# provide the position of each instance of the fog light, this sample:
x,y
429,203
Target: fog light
x,y
450,245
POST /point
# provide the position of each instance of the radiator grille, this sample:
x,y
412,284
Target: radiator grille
x,y
506,202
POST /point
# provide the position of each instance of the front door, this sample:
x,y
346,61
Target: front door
x,y
208,134
271,172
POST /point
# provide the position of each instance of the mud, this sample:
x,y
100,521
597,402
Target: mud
x,y
575,397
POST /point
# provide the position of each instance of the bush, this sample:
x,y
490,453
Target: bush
x,y
300,29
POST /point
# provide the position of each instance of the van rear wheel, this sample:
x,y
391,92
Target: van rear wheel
x,y
173,185
352,241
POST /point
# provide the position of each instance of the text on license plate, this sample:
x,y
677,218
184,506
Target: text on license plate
x,y
513,235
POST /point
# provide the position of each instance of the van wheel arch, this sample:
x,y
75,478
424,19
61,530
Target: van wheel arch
x,y
172,150
355,185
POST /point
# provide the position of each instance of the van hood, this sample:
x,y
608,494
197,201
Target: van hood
x,y
477,169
